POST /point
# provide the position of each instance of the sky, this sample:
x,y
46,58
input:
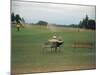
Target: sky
x,y
64,14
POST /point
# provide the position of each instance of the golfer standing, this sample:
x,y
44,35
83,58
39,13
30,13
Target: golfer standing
x,y
18,26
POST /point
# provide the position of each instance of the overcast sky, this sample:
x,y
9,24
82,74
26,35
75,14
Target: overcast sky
x,y
53,13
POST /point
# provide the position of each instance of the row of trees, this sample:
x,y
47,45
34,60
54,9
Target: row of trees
x,y
16,18
42,22
87,23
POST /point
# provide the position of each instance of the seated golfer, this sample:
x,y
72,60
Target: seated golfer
x,y
54,39
53,43
56,42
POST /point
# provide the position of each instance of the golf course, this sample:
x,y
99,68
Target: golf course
x,y
78,52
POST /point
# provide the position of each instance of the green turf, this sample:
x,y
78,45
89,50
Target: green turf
x,y
27,48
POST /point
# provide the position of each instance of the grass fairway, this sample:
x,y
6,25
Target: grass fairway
x,y
28,57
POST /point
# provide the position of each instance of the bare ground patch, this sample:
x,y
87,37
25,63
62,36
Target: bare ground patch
x,y
82,45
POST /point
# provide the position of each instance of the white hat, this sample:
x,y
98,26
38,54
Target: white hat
x,y
54,37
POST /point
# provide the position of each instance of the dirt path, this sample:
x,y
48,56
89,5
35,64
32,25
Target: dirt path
x,y
52,69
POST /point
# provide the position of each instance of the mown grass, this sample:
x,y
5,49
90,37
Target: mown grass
x,y
27,51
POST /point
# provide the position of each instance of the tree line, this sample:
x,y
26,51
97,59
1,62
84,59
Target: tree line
x,y
84,23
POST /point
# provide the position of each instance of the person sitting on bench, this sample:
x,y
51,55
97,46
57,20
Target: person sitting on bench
x,y
55,43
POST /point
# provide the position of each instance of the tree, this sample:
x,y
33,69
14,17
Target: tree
x,y
91,24
84,23
42,23
12,17
87,23
18,18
